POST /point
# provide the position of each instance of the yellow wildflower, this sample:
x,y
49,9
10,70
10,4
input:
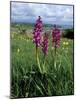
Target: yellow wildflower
x,y
64,43
18,50
67,43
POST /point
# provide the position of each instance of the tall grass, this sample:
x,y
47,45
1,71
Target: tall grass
x,y
26,79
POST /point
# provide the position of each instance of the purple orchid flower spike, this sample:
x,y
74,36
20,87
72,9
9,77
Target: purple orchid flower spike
x,y
44,49
37,32
56,42
56,37
37,38
45,44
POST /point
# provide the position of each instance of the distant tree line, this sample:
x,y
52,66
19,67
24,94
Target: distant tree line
x,y
69,33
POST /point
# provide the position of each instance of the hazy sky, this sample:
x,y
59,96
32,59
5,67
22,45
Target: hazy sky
x,y
51,14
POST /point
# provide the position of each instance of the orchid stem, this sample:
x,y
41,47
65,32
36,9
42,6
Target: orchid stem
x,y
17,81
55,57
37,59
44,64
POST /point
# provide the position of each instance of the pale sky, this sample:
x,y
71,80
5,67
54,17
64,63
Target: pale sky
x,y
50,14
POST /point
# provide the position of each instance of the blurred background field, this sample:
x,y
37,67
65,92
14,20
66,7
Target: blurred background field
x,y
26,80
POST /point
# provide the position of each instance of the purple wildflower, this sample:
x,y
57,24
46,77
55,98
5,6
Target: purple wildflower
x,y
45,44
37,31
56,37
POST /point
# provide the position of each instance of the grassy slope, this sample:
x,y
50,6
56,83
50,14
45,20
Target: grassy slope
x,y
27,81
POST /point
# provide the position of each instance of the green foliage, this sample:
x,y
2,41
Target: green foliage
x,y
69,33
26,79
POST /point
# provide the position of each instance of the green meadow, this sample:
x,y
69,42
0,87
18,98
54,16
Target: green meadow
x,y
26,79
